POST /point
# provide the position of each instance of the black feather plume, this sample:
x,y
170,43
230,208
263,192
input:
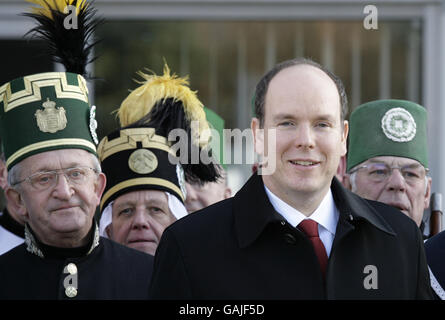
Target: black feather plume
x,y
70,44
167,115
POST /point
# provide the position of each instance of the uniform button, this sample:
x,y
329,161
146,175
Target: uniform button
x,y
283,223
289,238
71,292
71,268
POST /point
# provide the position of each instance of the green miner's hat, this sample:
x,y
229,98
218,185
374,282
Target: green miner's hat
x,y
50,111
137,159
387,128
43,112
216,142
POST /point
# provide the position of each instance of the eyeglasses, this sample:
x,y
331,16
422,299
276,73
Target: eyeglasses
x,y
379,172
48,179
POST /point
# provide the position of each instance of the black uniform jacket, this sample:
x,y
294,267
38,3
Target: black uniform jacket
x,y
435,254
109,271
241,248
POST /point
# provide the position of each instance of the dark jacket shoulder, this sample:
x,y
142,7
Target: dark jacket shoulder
x,y
119,252
396,219
205,222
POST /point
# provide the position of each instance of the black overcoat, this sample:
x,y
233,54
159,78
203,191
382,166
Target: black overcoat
x,y
241,248
435,255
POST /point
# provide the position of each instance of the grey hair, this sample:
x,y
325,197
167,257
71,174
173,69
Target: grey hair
x,y
96,163
14,174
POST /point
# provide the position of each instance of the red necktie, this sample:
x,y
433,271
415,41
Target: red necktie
x,y
310,228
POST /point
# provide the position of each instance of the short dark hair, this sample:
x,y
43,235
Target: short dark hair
x,y
263,85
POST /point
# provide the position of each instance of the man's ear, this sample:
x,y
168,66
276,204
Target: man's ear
x,y
341,169
109,232
427,197
15,201
99,185
344,137
258,136
347,182
3,175
227,193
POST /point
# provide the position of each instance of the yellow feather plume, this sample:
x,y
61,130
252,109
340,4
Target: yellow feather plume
x,y
157,88
59,5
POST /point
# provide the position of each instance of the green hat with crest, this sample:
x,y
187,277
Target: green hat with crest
x,y
51,110
388,128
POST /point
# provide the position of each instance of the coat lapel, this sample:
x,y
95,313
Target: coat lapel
x,y
252,211
354,208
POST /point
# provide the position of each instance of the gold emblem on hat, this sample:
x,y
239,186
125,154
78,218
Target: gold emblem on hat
x,y
51,119
143,161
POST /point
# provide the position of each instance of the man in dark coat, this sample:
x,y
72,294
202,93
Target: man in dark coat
x,y
55,184
101,269
294,232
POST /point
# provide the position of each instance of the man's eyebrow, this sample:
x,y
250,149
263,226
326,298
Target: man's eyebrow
x,y
70,165
280,116
329,117
157,202
133,203
124,204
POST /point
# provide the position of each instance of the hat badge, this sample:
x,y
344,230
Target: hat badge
x,y
51,119
93,124
143,161
399,125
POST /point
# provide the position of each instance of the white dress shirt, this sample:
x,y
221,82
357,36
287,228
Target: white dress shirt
x,y
326,215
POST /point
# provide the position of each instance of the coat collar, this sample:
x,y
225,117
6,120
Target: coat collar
x,y
253,210
352,207
37,248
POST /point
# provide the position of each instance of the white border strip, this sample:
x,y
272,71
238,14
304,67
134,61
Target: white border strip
x,y
436,286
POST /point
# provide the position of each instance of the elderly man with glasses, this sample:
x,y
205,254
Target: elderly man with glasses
x,y
387,156
55,183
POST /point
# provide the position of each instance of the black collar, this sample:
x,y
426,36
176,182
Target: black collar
x,y
42,250
253,210
353,207
10,224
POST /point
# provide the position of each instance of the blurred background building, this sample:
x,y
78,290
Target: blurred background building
x,y
225,46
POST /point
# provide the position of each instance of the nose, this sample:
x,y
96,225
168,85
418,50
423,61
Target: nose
x,y
304,137
140,219
395,181
63,189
